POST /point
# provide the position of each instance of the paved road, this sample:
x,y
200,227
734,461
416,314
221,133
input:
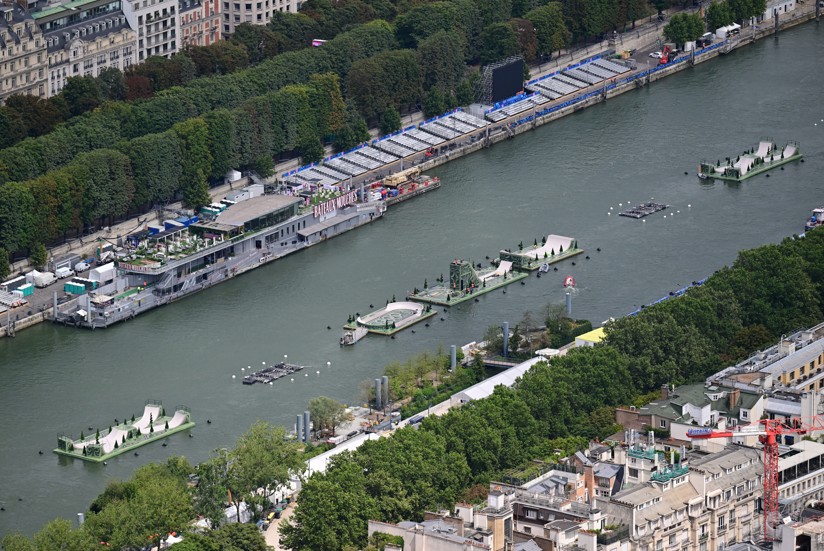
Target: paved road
x,y
272,535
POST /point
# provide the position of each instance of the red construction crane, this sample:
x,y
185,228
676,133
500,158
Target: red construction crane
x,y
768,431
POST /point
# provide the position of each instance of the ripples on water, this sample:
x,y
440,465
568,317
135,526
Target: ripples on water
x,y
562,179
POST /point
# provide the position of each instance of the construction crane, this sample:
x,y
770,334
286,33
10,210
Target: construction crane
x,y
768,431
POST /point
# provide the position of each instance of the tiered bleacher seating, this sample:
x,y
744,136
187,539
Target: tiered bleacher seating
x,y
378,155
454,124
544,90
598,71
420,135
358,162
584,77
393,148
360,158
331,173
566,79
616,68
341,165
411,143
441,131
469,119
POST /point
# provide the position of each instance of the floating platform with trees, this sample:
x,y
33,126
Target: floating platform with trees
x,y
127,435
553,248
390,319
467,282
750,163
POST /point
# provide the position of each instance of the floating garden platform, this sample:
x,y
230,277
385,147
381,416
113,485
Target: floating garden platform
x,y
466,283
394,317
750,163
553,248
126,436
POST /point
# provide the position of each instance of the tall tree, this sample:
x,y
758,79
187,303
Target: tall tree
x,y
719,14
196,161
260,42
326,413
5,269
550,28
442,59
112,84
684,27
497,41
262,460
81,94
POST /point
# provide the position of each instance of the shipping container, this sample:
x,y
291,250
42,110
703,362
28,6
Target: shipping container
x,y
27,289
12,284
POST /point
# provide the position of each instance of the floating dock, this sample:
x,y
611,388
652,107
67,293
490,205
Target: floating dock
x,y
750,163
466,282
553,248
153,425
269,374
644,209
394,317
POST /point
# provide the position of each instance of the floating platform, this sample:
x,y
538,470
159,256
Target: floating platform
x,y
554,248
269,374
750,163
466,283
644,209
126,436
394,317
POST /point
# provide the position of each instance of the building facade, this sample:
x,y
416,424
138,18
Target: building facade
x,y
83,38
23,61
157,25
711,504
256,12
199,22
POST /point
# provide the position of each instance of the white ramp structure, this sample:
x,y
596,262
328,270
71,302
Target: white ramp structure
x,y
503,268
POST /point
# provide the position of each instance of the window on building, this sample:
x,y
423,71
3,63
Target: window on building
x,y
662,423
633,473
672,540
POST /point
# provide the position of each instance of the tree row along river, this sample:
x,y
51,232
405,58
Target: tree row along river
x,y
562,178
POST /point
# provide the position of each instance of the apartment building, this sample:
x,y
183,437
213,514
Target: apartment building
x,y
795,364
83,37
257,12
23,62
708,505
199,22
157,25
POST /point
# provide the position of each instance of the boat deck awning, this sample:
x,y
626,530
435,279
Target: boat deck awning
x,y
102,299
323,226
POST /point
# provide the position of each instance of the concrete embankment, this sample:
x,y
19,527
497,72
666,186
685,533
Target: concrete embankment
x,y
525,122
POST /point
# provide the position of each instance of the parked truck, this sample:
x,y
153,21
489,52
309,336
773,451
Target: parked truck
x,y
42,279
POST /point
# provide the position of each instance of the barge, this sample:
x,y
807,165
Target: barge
x,y
643,210
750,163
390,319
158,267
272,373
125,436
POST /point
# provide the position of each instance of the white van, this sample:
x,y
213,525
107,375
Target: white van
x,y
81,267
64,272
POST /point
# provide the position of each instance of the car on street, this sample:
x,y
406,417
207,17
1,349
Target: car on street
x,y
656,55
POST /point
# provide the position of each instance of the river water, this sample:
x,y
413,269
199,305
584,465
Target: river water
x,y
562,178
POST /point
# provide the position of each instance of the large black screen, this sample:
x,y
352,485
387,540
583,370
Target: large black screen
x,y
507,80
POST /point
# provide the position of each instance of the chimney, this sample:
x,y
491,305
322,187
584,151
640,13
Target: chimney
x,y
664,391
732,399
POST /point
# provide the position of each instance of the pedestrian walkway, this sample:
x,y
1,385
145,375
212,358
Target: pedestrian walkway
x,y
272,535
